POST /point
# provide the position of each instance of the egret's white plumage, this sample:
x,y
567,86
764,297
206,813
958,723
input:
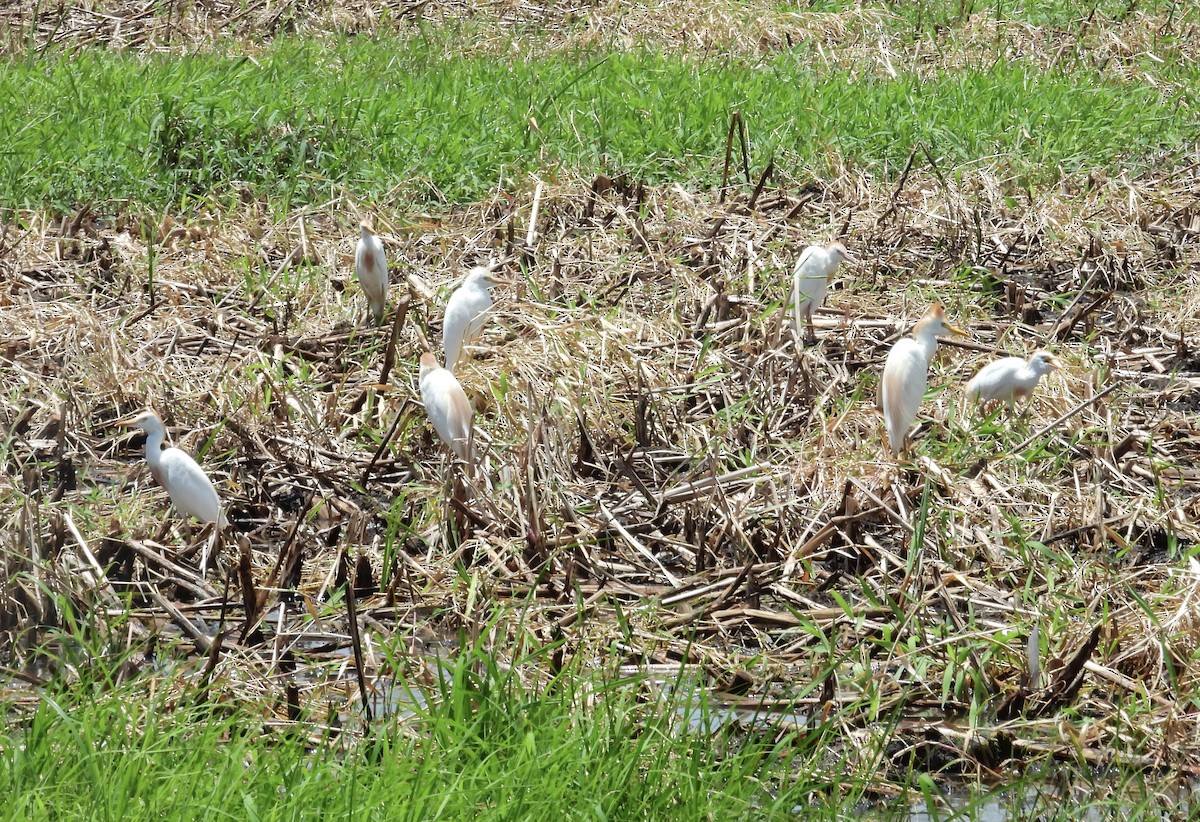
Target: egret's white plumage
x,y
371,266
905,374
447,405
186,483
1011,378
466,312
810,279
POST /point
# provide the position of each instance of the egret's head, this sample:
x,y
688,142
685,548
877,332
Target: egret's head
x,y
480,273
485,274
148,421
1043,362
366,228
934,322
839,252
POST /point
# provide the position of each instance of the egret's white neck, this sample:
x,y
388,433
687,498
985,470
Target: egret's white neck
x,y
927,339
154,444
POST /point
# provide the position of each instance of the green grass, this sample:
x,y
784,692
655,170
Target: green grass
x,y
395,118
485,747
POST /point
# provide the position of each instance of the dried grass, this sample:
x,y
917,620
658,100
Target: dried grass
x,y
651,437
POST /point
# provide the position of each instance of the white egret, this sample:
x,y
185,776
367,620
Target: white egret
x,y
186,483
371,266
809,281
447,405
906,372
1011,378
466,312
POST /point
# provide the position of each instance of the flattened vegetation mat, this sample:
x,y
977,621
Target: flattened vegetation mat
x,y
668,484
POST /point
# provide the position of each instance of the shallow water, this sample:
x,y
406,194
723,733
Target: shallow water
x,y
709,717
1042,797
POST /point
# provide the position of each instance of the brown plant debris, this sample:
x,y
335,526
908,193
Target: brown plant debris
x,y
652,445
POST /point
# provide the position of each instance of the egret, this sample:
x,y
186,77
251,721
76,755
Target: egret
x,y
371,266
905,374
447,405
466,311
1011,378
186,483
809,281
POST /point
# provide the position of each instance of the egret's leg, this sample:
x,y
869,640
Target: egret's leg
x,y
811,337
211,540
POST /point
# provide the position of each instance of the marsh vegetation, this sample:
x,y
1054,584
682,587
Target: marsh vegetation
x,y
685,579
